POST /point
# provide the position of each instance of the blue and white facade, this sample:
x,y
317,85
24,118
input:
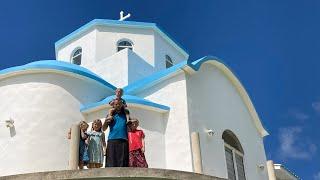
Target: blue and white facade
x,y
169,93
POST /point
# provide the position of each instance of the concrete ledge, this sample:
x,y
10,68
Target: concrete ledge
x,y
113,173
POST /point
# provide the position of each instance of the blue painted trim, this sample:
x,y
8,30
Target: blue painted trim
x,y
61,66
159,76
195,65
153,79
101,22
129,99
170,37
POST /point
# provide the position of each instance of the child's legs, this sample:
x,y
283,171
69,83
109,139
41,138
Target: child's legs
x,y
137,159
81,164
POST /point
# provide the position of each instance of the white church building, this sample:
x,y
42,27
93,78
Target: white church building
x,y
195,113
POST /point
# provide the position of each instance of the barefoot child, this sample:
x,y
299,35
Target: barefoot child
x,y
97,144
83,147
136,145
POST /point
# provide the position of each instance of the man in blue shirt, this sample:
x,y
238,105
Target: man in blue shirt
x,y
117,146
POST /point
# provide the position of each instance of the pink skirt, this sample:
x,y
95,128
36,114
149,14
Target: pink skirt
x,y
137,159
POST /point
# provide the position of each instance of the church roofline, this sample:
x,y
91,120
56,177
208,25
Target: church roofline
x,y
285,169
130,100
108,22
155,78
193,66
49,65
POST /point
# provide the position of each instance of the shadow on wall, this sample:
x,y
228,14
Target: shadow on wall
x,y
138,68
150,120
12,131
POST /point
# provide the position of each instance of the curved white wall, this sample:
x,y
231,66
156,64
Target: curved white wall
x,y
43,107
214,103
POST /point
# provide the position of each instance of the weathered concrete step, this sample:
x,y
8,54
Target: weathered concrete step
x,y
112,173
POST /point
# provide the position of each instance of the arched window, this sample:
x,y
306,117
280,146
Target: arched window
x,y
124,44
76,57
169,61
234,156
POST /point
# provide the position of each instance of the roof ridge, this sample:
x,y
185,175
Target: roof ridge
x,y
97,22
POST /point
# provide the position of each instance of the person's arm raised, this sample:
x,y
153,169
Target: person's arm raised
x,y
105,124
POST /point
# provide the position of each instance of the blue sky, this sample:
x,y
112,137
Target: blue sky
x,y
271,45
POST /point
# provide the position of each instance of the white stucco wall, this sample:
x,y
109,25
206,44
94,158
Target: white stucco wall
x,y
172,93
153,124
88,44
122,68
214,103
137,67
113,69
142,39
163,48
43,106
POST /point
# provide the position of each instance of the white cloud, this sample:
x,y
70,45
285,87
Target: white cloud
x,y
316,106
317,176
298,114
292,145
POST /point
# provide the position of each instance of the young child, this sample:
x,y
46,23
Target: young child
x,y
117,108
83,147
119,93
97,145
136,145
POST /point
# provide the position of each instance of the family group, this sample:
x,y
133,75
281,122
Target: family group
x,y
125,145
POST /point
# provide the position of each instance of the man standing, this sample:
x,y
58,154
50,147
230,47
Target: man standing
x,y
117,146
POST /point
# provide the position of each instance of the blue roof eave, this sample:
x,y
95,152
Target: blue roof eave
x,y
161,75
129,99
155,78
60,66
108,22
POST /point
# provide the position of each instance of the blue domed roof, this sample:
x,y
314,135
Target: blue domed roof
x,y
59,66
